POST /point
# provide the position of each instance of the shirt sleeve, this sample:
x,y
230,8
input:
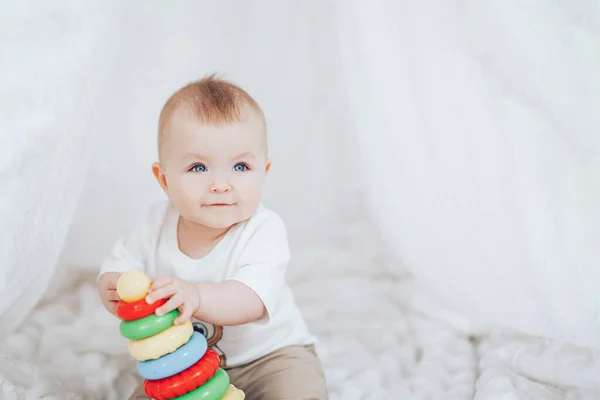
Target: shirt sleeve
x,y
263,263
132,249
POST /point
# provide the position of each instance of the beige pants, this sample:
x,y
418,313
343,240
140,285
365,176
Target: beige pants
x,y
291,373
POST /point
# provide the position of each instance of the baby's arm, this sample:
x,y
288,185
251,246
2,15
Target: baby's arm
x,y
228,303
254,290
249,295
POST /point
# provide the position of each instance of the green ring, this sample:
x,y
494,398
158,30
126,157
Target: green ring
x,y
214,389
147,326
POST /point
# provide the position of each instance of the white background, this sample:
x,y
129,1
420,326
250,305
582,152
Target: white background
x,y
461,136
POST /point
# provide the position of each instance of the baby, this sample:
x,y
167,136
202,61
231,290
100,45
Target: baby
x,y
215,251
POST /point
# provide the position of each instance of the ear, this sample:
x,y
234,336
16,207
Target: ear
x,y
268,166
158,173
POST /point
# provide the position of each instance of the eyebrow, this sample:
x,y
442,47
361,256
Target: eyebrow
x,y
244,155
194,156
203,157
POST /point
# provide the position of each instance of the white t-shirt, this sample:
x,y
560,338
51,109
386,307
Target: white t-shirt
x,y
254,252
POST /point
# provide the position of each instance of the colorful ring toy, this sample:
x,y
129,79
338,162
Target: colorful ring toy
x,y
147,326
138,309
234,393
162,343
185,381
214,389
175,362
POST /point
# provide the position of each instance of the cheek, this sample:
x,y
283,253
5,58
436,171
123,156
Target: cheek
x,y
187,189
250,188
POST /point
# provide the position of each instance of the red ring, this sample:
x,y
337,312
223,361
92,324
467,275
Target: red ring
x,y
137,309
184,381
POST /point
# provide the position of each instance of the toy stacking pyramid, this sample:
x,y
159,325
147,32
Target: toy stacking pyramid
x,y
174,360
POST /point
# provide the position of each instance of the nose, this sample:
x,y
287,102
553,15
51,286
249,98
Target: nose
x,y
220,187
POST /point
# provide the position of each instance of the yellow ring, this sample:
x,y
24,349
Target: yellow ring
x,y
162,343
234,393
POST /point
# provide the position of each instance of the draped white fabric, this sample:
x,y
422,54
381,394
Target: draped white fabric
x,y
465,131
54,63
478,125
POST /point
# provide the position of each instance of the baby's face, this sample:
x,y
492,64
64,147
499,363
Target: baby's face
x,y
214,174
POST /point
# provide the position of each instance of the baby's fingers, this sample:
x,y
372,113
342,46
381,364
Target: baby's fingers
x,y
170,305
112,295
111,283
185,315
161,293
111,307
160,282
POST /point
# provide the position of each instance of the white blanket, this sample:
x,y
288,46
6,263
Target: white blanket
x,y
373,344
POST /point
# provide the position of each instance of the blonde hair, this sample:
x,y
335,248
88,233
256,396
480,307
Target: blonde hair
x,y
211,100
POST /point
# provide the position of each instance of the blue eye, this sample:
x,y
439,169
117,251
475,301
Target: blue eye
x,y
240,167
198,168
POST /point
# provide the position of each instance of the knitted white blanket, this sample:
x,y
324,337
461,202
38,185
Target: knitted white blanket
x,y
373,345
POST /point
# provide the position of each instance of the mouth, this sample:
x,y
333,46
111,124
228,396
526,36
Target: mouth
x,y
218,205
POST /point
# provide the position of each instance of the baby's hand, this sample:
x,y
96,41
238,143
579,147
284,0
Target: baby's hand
x,y
182,295
107,289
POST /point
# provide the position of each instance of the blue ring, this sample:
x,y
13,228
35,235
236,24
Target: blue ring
x,y
175,362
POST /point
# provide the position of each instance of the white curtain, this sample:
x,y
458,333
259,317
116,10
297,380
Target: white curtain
x,y
54,63
478,124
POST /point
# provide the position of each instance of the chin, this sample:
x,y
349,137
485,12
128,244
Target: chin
x,y
218,222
